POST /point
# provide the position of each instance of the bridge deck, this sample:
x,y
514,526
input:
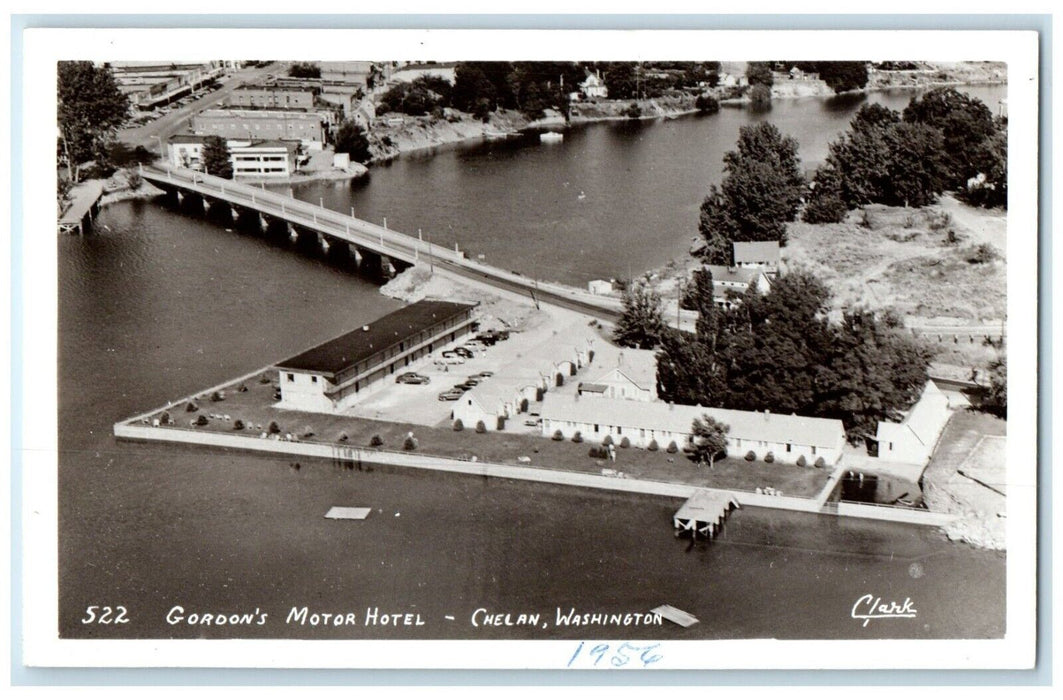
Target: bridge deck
x,y
377,239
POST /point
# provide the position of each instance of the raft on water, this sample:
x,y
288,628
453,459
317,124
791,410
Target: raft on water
x,y
344,513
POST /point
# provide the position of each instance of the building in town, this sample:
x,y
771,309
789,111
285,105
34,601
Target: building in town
x,y
335,375
308,128
912,441
633,376
185,151
348,72
154,84
263,159
787,438
272,96
593,86
727,281
762,254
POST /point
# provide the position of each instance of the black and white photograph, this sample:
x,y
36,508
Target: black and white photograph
x,y
529,349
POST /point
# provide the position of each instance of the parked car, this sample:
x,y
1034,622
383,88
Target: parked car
x,y
473,380
451,395
412,378
451,360
485,374
464,352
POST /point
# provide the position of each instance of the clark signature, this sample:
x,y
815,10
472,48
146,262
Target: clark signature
x,y
868,607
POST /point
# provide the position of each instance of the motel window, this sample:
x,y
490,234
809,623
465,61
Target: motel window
x,y
891,447
619,430
788,447
642,432
313,380
595,427
813,449
291,377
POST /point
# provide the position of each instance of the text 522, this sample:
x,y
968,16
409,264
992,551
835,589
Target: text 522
x,y
615,655
105,615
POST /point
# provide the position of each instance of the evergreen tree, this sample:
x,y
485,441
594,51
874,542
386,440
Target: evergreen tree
x,y
216,158
641,324
351,139
966,125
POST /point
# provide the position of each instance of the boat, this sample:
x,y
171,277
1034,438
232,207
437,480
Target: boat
x,y
495,135
551,137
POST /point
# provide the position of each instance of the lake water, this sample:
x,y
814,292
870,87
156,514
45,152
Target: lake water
x,y
158,304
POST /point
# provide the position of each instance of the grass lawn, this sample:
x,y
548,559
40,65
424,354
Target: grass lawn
x,y
254,407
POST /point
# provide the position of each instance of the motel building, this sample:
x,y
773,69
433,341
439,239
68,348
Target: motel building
x,y
335,375
912,441
762,254
787,437
264,159
736,280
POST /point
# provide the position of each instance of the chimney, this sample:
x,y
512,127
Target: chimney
x,y
620,360
767,414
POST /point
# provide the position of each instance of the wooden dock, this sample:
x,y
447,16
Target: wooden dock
x,y
85,197
704,513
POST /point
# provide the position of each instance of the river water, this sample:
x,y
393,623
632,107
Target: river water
x,y
159,303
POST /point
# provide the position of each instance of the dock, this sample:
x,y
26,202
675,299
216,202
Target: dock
x,y
704,513
85,197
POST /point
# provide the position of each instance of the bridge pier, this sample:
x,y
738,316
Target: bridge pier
x,y
234,213
293,234
180,197
356,254
322,241
206,205
263,223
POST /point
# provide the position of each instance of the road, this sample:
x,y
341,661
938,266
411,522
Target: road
x,y
178,120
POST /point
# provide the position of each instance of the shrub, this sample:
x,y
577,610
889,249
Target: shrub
x,y
624,442
940,221
480,427
607,441
191,407
984,253
653,446
598,452
802,462
820,462
202,420
500,423
578,437
558,435
633,111
218,396
707,104
264,379
750,456
760,97
410,443
274,428
242,388
458,426
572,370
165,418
343,437
524,405
865,219
590,356
376,441
769,458
238,425
672,448
539,393
559,380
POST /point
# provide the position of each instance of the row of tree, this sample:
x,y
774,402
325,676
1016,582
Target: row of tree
x,y
778,351
944,140
90,110
840,76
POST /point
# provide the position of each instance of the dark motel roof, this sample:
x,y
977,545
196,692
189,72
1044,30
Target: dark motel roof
x,y
334,356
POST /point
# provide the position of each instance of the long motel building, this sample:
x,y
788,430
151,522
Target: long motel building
x,y
787,437
335,375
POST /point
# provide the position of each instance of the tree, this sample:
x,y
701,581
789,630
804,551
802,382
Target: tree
x,y
825,204
304,69
216,158
995,399
842,76
90,109
759,73
621,80
473,91
760,97
641,323
710,440
917,168
966,125
351,139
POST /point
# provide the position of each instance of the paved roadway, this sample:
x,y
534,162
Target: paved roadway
x,y
178,120
365,234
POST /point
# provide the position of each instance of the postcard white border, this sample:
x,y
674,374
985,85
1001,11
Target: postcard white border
x,y
43,47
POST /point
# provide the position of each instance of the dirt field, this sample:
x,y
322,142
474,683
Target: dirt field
x,y
924,263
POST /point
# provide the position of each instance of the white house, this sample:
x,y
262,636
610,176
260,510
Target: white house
x,y
788,438
912,440
185,151
737,280
488,402
600,286
634,376
593,86
764,254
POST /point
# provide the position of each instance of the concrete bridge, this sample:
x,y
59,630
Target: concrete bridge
x,y
391,250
